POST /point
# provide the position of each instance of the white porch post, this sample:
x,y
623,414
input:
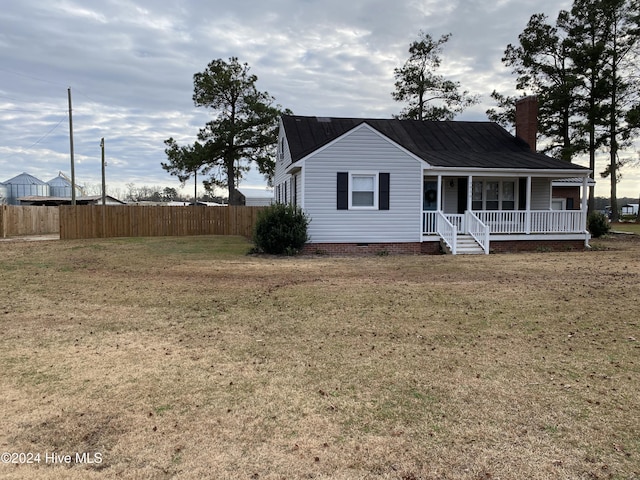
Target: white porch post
x,y
528,213
469,200
440,202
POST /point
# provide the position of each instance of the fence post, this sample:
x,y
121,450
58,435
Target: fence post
x,y
3,221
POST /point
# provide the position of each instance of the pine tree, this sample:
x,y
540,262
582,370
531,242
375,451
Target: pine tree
x,y
429,96
244,130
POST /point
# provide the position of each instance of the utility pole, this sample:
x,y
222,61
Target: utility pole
x,y
195,188
104,190
104,185
73,170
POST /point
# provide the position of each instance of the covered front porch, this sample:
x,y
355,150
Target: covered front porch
x,y
466,213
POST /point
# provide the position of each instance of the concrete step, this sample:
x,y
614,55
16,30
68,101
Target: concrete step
x,y
466,245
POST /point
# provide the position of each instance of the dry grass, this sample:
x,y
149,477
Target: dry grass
x,y
185,358
629,227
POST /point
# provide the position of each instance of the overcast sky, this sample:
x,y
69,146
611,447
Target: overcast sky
x,y
130,67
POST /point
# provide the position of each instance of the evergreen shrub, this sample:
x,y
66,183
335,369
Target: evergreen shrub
x,y
281,229
598,224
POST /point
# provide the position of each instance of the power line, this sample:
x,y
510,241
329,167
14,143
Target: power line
x,y
32,77
48,133
41,138
22,110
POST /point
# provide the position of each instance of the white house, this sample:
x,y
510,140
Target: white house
x,y
372,185
629,209
255,197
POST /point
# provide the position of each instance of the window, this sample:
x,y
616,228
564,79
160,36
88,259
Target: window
x,y
508,196
363,190
493,195
477,197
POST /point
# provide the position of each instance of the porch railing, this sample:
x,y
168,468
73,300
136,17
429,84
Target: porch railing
x,y
569,221
509,221
447,231
534,221
515,221
478,230
458,221
430,222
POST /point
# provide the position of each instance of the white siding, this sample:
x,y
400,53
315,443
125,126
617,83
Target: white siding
x,y
298,186
283,159
362,150
450,195
258,201
540,193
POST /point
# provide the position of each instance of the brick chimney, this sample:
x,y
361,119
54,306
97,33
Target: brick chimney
x,y
527,120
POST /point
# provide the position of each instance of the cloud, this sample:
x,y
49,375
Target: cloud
x,y
130,66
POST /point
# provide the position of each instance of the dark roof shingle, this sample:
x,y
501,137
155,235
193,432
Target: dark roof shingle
x,y
441,144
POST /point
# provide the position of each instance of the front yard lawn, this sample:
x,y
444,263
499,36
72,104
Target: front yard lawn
x,y
186,358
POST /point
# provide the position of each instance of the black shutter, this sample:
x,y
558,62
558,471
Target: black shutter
x,y
570,205
294,190
522,193
343,191
383,191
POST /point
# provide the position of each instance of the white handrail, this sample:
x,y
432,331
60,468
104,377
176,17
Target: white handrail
x,y
478,230
447,231
458,220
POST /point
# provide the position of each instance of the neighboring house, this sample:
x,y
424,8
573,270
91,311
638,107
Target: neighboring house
x,y
190,204
388,185
56,201
254,197
566,193
629,209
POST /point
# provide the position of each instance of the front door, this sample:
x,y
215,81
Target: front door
x,y
463,185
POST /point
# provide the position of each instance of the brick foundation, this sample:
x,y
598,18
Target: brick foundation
x,y
408,248
514,246
433,248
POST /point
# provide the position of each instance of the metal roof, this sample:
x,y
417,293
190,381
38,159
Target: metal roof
x,y
440,144
24,179
59,182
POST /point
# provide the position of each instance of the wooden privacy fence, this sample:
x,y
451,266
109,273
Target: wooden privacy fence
x,y
18,220
96,221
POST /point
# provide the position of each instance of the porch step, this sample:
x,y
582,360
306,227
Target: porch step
x,y
466,245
